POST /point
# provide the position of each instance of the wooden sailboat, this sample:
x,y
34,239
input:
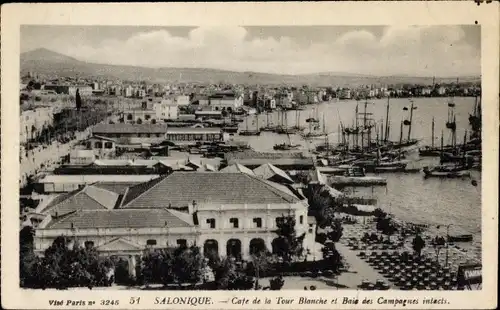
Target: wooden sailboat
x,y
297,121
313,119
283,128
430,150
314,132
268,126
286,146
248,132
446,171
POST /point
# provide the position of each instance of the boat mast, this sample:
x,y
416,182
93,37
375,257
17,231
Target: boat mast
x,y
386,134
411,120
432,133
356,126
400,139
257,121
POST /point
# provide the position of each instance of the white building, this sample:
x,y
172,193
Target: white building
x,y
166,110
182,100
183,208
225,101
33,121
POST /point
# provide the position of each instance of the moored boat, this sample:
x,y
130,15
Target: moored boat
x,y
460,238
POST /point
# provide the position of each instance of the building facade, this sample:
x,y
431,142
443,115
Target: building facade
x,y
33,121
166,110
231,214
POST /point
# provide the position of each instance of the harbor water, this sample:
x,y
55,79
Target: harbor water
x,y
408,196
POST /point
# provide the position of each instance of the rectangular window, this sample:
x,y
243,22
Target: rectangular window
x,y
151,242
279,220
301,219
258,222
234,221
108,145
211,222
89,244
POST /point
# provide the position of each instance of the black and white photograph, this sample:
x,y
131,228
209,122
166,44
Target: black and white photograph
x,y
260,158
250,158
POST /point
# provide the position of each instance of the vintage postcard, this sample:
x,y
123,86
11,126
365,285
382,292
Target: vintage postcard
x,y
250,155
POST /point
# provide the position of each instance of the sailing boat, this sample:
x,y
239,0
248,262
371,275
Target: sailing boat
x,y
286,146
388,166
248,132
408,122
268,127
297,121
314,132
283,128
313,119
475,120
446,171
430,150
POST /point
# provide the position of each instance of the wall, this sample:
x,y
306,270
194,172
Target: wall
x,y
163,236
247,229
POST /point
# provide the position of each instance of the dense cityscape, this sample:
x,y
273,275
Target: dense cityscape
x,y
220,186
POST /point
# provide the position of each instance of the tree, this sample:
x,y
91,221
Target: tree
x,y
418,244
139,121
260,263
230,276
289,245
66,264
78,100
167,266
276,283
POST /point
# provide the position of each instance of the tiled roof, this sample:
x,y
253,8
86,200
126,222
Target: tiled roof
x,y
87,198
237,168
268,171
137,190
129,218
277,161
129,128
118,188
182,188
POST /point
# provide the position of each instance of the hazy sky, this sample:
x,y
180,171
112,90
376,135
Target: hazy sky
x,y
378,50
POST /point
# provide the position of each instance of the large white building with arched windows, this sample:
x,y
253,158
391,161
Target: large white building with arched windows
x,y
229,213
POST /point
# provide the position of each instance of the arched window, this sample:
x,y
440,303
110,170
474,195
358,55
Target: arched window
x,y
130,117
147,117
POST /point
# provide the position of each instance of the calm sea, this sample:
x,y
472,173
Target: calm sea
x,y
408,196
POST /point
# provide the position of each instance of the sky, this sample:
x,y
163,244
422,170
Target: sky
x,y
445,51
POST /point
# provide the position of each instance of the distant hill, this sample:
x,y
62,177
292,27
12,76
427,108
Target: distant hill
x,y
47,62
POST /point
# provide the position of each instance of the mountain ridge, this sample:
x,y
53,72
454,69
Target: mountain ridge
x,y
46,61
